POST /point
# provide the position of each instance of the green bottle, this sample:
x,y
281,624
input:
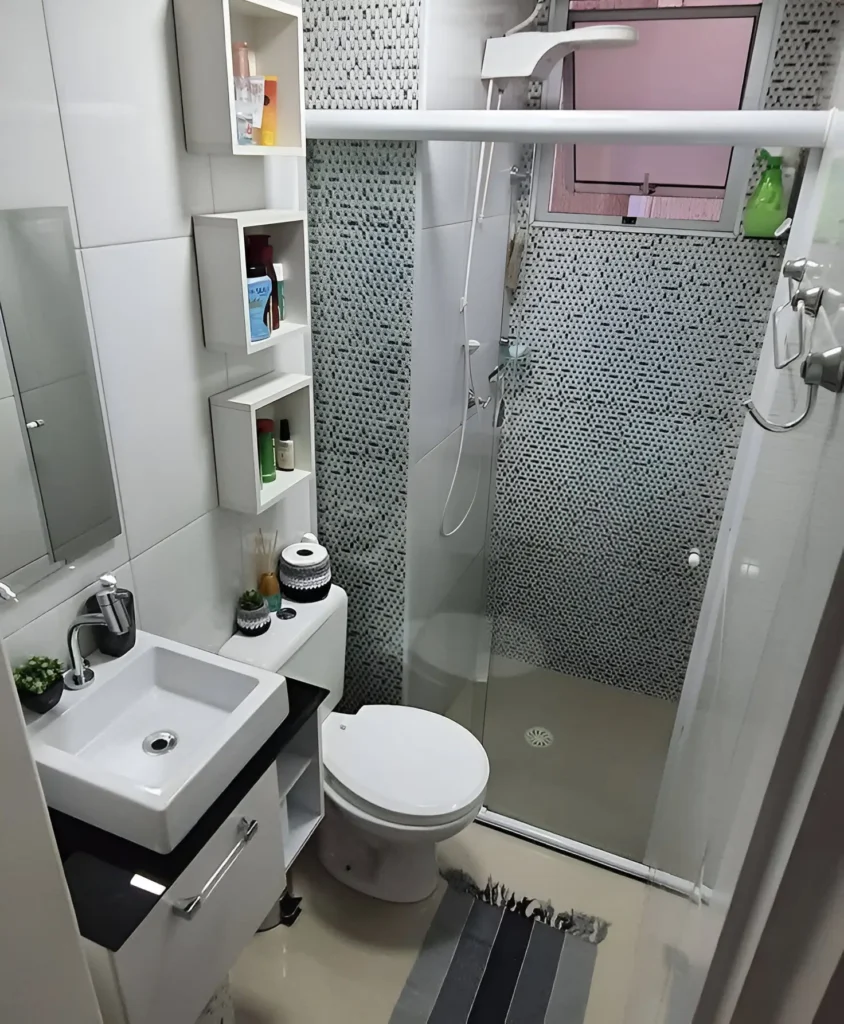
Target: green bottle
x,y
766,209
266,450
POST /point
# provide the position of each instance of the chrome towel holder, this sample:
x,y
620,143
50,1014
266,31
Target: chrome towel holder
x,y
819,369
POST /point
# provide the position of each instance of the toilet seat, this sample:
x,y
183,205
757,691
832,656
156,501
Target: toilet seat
x,y
404,765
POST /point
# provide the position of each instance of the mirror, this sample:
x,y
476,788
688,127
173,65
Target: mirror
x,y
57,496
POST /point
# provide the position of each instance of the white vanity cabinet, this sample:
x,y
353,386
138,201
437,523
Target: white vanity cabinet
x,y
169,967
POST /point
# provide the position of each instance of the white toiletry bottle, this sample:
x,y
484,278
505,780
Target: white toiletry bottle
x,y
284,447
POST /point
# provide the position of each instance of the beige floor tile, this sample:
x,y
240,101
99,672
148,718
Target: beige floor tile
x,y
348,956
598,781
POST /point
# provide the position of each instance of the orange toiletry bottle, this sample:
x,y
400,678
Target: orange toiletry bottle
x,y
270,110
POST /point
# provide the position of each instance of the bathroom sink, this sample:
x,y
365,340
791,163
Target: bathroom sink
x,y
147,747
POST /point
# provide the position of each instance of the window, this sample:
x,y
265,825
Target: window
x,y
691,55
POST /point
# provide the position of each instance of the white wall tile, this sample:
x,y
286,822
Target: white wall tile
x,y
238,184
455,32
157,377
187,586
436,381
447,175
47,634
33,169
118,86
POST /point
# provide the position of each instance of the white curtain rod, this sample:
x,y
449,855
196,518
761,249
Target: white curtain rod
x,y
752,128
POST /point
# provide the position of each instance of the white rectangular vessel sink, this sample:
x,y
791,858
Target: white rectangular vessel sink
x,y
147,747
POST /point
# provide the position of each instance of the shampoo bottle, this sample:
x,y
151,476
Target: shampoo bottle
x,y
259,291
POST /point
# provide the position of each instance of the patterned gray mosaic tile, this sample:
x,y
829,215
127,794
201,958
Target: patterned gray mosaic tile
x,y
361,54
361,220
361,208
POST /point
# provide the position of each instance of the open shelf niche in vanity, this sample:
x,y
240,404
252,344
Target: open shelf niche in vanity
x,y
301,799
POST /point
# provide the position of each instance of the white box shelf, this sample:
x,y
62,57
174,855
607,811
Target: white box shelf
x,y
205,32
234,415
221,259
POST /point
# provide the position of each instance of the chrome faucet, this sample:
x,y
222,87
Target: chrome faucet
x,y
112,615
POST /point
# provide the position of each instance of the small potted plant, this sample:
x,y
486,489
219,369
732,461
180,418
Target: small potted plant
x,y
40,683
253,614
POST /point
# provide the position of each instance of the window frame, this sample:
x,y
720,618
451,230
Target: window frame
x,y
741,164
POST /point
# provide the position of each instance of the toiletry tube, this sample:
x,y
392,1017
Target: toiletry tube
x,y
279,276
270,110
256,98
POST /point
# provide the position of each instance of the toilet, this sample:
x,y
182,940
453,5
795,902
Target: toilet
x,y
398,780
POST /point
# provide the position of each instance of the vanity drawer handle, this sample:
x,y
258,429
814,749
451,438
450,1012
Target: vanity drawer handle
x,y
188,907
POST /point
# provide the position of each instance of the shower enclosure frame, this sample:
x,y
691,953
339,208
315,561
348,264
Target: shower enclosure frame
x,y
748,128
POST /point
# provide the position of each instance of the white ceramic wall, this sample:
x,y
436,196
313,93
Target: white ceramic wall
x,y
445,580
132,189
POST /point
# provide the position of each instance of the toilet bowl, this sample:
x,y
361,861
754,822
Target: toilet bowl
x,y
397,780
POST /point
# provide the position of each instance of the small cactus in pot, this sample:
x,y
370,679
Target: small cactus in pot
x,y
253,614
40,683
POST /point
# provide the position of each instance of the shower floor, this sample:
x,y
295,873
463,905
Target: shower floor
x,y
598,780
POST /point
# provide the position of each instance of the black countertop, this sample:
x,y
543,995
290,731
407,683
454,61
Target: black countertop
x,y
99,867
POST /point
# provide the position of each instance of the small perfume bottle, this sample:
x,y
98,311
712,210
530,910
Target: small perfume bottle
x,y
284,447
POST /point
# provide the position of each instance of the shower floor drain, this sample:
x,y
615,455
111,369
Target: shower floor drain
x,y
539,736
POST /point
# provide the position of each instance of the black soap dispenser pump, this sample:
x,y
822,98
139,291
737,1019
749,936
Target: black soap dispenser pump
x,y
109,643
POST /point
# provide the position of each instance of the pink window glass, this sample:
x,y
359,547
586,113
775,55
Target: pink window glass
x,y
673,66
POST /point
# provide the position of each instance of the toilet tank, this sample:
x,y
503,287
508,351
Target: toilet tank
x,y
310,647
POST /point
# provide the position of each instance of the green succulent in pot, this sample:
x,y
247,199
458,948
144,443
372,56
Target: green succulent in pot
x,y
253,613
250,600
39,683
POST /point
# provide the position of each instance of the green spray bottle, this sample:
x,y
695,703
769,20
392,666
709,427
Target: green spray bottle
x,y
766,208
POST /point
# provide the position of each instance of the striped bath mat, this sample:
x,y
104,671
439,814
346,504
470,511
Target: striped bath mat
x,y
491,958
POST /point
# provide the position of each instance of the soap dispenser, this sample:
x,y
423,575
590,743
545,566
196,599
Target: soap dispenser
x,y
112,644
767,207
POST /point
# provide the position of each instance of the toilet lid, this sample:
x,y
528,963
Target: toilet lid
x,y
409,762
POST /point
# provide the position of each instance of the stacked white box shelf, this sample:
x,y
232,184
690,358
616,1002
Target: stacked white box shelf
x,y
205,32
221,259
234,416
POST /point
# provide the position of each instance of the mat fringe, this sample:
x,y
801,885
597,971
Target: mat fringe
x,y
583,926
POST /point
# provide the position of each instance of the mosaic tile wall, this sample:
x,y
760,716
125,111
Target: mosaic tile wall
x,y
620,436
361,210
361,54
